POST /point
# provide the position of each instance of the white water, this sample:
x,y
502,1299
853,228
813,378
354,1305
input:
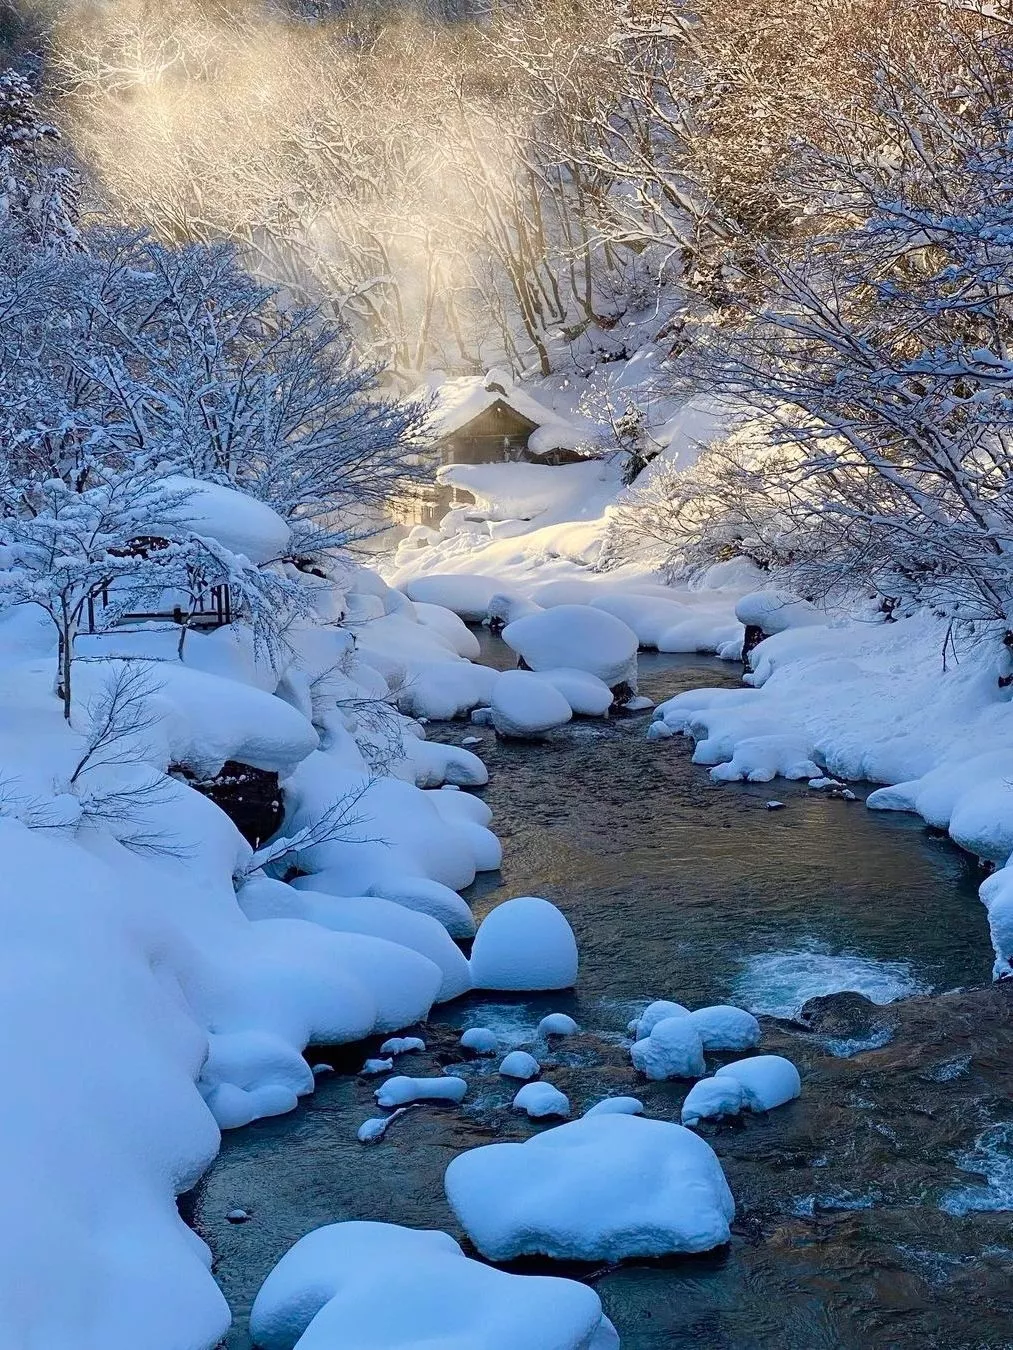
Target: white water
x,y
778,983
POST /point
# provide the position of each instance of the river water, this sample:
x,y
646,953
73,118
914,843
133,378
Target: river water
x,y
677,887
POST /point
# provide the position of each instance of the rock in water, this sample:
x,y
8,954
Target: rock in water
x,y
848,1016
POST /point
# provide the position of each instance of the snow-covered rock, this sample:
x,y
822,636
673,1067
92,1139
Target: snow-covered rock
x,y
758,759
649,616
468,596
402,1045
524,944
374,1066
263,898
526,706
401,1090
712,1098
775,611
655,1012
557,1024
238,522
766,1080
616,1106
580,637
674,1049
519,1064
540,1100
375,1286
480,1041
726,1028
585,693
461,640
605,1187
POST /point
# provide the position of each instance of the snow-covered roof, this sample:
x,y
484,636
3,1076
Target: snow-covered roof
x,y
458,402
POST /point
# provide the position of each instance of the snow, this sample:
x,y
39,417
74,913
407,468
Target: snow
x,y
525,706
713,1098
445,622
373,1067
519,1064
480,1041
403,839
649,616
776,611
580,637
401,1090
375,1286
524,944
402,1045
263,898
616,1106
726,1028
662,1008
766,1080
605,1187
241,524
759,759
557,1024
467,596
540,1100
674,1049
585,693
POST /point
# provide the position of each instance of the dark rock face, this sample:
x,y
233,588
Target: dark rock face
x,y
251,798
848,1016
753,637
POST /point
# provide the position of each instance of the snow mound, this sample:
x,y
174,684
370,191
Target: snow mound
x,y
616,1106
601,1188
263,898
524,944
725,1028
648,616
766,1080
238,522
577,636
712,1098
461,640
775,611
519,1064
402,1045
524,705
480,1041
586,694
674,1049
540,1100
468,596
758,759
375,1286
642,1026
557,1024
401,1090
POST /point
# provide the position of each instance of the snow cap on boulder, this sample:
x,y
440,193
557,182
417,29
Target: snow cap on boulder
x,y
524,944
524,706
392,1288
601,1188
577,637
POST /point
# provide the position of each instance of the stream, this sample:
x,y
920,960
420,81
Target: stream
x,y
870,1212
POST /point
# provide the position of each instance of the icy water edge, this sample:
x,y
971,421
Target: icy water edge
x,y
869,1212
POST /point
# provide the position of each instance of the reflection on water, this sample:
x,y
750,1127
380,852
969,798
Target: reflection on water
x,y
677,887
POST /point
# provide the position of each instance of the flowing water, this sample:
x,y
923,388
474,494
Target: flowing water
x,y
870,1212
